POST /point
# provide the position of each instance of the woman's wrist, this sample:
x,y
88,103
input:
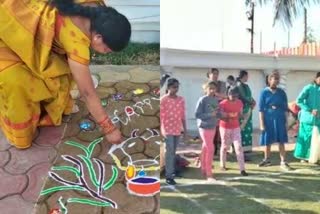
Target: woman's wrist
x,y
106,125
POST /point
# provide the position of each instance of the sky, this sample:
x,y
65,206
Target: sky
x,y
216,25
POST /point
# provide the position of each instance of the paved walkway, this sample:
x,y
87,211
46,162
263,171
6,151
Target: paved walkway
x,y
22,172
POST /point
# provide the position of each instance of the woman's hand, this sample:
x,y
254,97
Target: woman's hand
x,y
253,104
214,113
314,112
114,137
233,115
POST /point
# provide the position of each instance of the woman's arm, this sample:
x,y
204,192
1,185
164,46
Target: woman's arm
x,y
82,76
163,106
261,119
261,110
162,115
242,95
183,117
302,97
286,108
200,111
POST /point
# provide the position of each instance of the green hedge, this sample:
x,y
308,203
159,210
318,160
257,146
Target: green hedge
x,y
134,54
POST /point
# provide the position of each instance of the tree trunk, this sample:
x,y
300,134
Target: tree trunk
x,y
252,28
305,26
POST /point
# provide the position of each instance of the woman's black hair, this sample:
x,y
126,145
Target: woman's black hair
x,y
233,90
242,74
231,78
170,83
164,79
114,27
267,80
211,71
210,83
317,76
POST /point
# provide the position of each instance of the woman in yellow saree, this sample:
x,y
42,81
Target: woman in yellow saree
x,y
43,47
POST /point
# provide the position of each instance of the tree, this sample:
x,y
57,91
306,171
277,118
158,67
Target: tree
x,y
286,10
310,35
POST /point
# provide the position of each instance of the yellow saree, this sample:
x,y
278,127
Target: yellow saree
x,y
35,79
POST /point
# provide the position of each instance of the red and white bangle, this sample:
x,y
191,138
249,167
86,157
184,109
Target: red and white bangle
x,y
107,126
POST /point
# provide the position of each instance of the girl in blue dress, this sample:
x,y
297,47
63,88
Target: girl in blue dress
x,y
273,109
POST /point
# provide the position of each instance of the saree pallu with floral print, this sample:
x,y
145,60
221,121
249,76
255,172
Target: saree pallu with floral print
x,y
35,80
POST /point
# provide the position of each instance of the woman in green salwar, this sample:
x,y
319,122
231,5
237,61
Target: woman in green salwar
x,y
309,116
248,104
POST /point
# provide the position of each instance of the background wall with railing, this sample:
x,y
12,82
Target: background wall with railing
x,y
190,68
144,16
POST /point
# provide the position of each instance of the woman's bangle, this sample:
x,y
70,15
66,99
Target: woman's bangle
x,y
102,121
107,125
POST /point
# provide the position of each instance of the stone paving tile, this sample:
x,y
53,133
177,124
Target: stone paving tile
x,y
138,150
22,171
37,176
4,144
50,136
11,184
73,208
15,205
4,158
40,209
22,160
105,92
140,76
157,202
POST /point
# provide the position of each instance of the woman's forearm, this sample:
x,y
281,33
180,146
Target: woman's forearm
x,y
184,123
94,106
261,119
82,76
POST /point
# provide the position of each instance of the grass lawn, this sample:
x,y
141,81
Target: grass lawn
x,y
134,54
265,190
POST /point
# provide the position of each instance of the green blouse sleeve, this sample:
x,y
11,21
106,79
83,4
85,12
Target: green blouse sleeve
x,y
302,98
242,94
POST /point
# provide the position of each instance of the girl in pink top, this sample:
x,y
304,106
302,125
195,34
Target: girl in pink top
x,y
230,129
172,120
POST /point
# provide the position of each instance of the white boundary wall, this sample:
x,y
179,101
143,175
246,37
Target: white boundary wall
x,y
144,16
190,68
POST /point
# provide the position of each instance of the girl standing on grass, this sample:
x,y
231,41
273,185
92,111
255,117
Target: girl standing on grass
x,y
273,109
206,114
230,131
172,119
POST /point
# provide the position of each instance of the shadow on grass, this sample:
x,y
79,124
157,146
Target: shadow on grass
x,y
249,195
209,197
289,192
